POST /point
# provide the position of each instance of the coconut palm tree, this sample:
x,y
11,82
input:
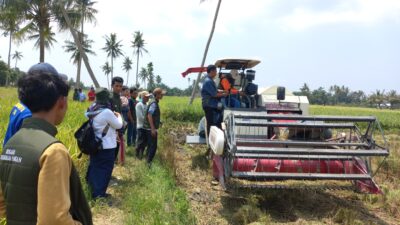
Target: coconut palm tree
x,y
138,44
17,56
127,66
71,47
37,17
10,19
143,75
150,75
48,37
87,14
107,70
69,25
158,79
113,49
206,49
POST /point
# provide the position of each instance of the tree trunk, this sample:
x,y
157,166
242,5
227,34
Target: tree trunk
x,y
112,68
16,60
9,58
41,42
108,83
83,54
205,52
78,72
137,68
127,78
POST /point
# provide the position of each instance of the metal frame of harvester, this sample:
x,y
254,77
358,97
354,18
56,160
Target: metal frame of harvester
x,y
273,139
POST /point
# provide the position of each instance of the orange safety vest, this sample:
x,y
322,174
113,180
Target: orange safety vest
x,y
226,86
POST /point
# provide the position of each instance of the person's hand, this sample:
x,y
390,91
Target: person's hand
x,y
153,132
242,93
117,114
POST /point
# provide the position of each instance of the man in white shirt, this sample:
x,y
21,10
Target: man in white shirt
x,y
141,142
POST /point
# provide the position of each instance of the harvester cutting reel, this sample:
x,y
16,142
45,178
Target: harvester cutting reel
x,y
320,152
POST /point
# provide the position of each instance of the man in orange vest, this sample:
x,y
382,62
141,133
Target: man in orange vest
x,y
226,83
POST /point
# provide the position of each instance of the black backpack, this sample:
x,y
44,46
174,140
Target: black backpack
x,y
88,142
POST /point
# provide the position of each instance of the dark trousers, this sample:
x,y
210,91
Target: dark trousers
x,y
151,146
131,135
99,171
213,117
141,142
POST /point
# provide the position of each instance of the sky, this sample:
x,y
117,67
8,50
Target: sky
x,y
355,43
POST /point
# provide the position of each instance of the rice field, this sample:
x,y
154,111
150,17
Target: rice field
x,y
175,110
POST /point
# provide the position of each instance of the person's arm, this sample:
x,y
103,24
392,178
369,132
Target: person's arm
x,y
151,122
213,92
152,109
2,205
130,118
113,119
54,187
139,112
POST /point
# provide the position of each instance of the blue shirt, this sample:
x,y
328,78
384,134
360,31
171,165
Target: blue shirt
x,y
209,93
152,108
18,113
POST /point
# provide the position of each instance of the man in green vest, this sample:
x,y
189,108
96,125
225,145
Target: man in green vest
x,y
152,123
116,106
39,182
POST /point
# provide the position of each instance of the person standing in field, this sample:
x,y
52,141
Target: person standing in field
x,y
141,140
210,97
91,94
125,109
39,182
105,125
131,135
82,96
116,105
75,97
20,112
152,123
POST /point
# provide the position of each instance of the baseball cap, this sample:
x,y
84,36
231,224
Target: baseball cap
x,y
46,68
145,93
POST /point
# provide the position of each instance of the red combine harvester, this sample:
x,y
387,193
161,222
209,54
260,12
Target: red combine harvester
x,y
272,138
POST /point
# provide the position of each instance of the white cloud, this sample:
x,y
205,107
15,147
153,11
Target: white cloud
x,y
366,12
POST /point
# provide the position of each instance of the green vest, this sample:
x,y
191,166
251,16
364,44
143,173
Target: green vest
x,y
116,103
156,116
19,173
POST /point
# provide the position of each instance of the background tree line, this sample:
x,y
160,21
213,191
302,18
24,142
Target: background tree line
x,y
342,95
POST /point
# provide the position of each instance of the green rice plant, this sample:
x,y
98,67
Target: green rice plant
x,y
178,109
389,119
153,198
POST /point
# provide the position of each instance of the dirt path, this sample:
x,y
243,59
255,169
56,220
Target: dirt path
x,y
211,205
111,211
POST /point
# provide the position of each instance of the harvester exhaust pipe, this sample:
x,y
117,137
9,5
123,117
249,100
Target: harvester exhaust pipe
x,y
280,93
